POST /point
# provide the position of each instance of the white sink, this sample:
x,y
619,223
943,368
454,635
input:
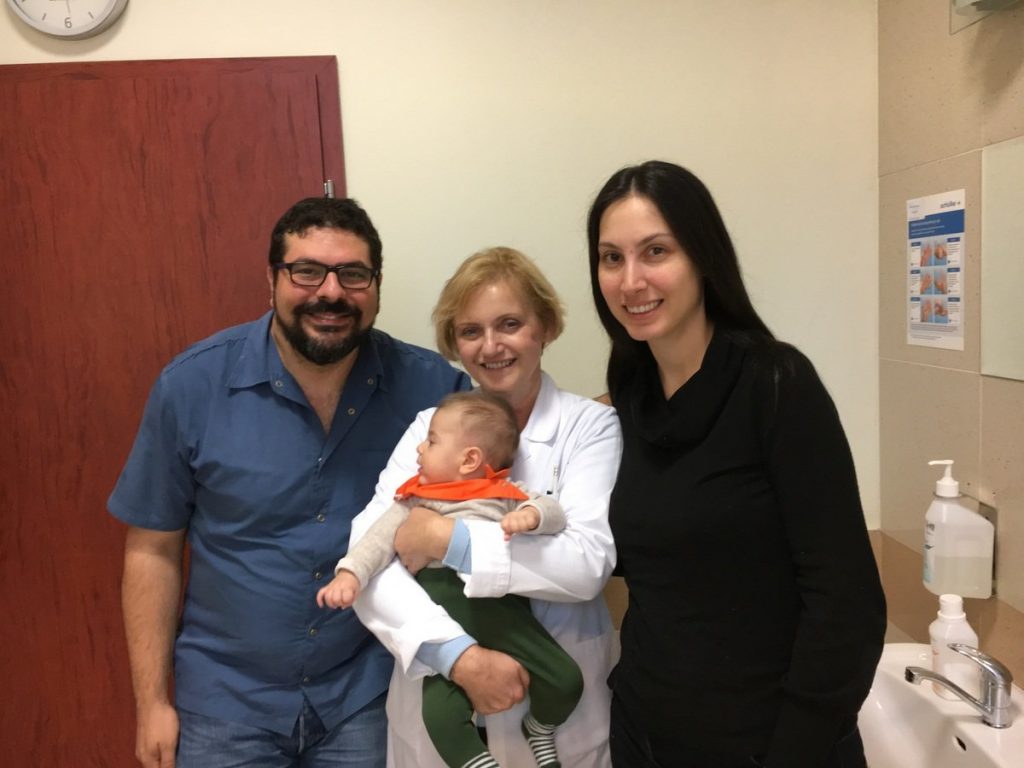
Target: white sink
x,y
907,726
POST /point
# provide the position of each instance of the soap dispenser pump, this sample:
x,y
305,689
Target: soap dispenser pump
x,y
958,542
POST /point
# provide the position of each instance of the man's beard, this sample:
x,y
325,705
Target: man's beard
x,y
335,347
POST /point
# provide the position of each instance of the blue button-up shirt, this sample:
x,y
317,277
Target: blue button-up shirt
x,y
230,448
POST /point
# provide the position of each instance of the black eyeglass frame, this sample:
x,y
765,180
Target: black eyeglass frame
x,y
337,269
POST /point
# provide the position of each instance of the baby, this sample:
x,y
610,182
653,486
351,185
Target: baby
x,y
470,434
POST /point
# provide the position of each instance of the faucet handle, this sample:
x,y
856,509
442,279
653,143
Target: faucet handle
x,y
993,668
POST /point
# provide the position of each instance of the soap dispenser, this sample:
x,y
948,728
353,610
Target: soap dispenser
x,y
958,542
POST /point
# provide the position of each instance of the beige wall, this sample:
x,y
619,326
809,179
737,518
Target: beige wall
x,y
471,123
942,98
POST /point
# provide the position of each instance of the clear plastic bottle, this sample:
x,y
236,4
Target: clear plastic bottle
x,y
958,542
951,627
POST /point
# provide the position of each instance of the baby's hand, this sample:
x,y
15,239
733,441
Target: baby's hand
x,y
520,520
340,593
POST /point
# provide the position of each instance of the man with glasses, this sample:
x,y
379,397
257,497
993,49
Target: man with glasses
x,y
260,444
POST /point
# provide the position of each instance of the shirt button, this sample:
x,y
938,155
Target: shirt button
x,y
351,411
370,381
278,383
321,517
317,575
312,632
305,679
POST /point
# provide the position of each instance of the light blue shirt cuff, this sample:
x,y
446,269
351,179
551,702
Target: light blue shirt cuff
x,y
459,556
442,656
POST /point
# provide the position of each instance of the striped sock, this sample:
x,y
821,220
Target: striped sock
x,y
483,760
541,739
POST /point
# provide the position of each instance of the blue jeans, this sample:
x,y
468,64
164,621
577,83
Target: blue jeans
x,y
359,742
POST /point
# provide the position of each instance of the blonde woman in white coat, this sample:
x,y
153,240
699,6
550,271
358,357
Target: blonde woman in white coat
x,y
496,315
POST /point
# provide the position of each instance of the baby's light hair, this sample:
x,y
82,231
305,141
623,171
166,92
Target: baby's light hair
x,y
489,422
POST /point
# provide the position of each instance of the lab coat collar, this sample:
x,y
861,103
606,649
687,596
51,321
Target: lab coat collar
x,y
542,426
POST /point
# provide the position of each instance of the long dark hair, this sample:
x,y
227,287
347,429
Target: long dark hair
x,y
690,212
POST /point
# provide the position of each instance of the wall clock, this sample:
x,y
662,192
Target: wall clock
x,y
68,19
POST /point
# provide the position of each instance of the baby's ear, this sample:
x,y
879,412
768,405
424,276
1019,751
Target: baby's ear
x,y
472,460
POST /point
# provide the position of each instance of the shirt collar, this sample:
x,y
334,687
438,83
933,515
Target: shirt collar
x,y
254,364
368,364
542,426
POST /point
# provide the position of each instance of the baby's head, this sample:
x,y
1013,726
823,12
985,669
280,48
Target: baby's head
x,y
469,431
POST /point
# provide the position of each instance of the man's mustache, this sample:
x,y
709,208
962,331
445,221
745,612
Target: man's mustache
x,y
339,307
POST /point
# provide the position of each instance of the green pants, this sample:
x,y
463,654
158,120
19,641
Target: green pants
x,y
502,624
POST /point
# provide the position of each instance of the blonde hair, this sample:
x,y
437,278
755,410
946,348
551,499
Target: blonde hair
x,y
487,267
489,422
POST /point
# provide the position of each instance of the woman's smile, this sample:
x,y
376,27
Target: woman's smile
x,y
641,309
500,340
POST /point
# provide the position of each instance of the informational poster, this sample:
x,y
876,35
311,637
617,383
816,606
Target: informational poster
x,y
935,270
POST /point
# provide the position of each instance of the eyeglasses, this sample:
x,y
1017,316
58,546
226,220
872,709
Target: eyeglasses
x,y
311,274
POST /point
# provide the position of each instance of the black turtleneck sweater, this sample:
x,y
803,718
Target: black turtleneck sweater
x,y
756,615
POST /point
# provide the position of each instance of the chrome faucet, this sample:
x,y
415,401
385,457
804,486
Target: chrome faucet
x,y
994,705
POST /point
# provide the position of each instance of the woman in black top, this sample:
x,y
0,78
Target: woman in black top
x,y
756,615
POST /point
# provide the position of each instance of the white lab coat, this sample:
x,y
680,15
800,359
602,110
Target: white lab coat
x,y
571,446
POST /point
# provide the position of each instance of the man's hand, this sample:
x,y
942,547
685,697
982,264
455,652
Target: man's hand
x,y
423,538
156,736
150,591
494,681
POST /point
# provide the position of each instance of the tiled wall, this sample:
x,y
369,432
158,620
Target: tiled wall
x,y
942,99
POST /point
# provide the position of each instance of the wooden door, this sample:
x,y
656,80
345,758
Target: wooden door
x,y
137,203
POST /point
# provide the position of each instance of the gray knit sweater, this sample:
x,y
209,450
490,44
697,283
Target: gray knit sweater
x,y
368,556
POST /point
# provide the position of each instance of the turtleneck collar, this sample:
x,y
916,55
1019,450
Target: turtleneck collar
x,y
688,415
